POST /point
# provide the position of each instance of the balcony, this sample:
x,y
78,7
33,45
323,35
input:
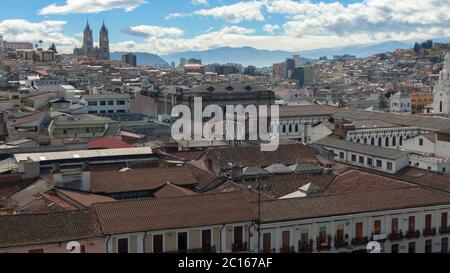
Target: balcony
x,y
239,247
444,230
396,236
289,249
267,251
412,234
211,249
429,232
324,245
340,243
360,241
305,247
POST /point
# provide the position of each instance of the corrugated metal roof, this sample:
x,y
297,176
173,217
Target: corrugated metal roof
x,y
361,148
38,157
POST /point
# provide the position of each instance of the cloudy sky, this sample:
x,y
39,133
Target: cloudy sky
x,y
169,26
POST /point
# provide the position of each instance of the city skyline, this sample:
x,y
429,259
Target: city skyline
x,y
166,27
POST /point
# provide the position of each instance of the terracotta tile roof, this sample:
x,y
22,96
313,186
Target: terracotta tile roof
x,y
350,203
107,143
171,190
83,198
174,212
139,179
12,184
28,118
252,156
359,181
45,228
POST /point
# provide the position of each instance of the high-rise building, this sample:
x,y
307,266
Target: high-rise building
x,y
289,68
304,75
88,49
297,60
129,58
250,70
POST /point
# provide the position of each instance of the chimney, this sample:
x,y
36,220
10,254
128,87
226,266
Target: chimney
x,y
237,171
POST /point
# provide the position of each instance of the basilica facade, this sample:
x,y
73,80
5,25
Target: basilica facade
x,y
441,104
88,50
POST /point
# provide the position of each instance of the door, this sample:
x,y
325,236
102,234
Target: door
x,y
286,238
122,245
238,235
182,242
157,243
206,240
267,240
359,230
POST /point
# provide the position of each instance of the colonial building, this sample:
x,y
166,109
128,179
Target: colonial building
x,y
441,103
88,50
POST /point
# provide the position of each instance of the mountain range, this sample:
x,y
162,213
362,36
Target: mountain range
x,y
265,58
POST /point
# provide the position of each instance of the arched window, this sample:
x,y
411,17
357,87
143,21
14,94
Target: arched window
x,y
365,140
386,142
394,141
441,108
296,127
357,140
401,140
380,142
284,128
372,142
290,128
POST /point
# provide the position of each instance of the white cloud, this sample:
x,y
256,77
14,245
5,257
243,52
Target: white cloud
x,y
235,13
48,31
91,6
271,28
199,2
148,31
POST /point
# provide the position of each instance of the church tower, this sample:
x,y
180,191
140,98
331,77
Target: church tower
x,y
104,42
88,41
441,103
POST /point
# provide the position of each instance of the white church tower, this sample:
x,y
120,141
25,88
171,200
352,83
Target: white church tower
x,y
441,103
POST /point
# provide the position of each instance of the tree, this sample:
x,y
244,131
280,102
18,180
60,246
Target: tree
x,y
417,48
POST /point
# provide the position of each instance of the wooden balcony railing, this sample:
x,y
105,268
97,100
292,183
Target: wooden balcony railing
x,y
304,247
429,232
239,247
412,234
444,230
360,241
289,249
396,236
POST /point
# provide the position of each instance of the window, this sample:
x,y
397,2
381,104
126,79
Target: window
x,y
354,158
412,247
304,239
103,112
120,111
82,249
428,222
206,239
421,142
359,230
122,245
110,102
120,102
92,103
370,161
182,242
379,163
157,243
340,233
361,160
444,245
341,155
411,223
102,103
390,166
394,249
110,111
428,246
444,217
286,239
92,112
377,227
